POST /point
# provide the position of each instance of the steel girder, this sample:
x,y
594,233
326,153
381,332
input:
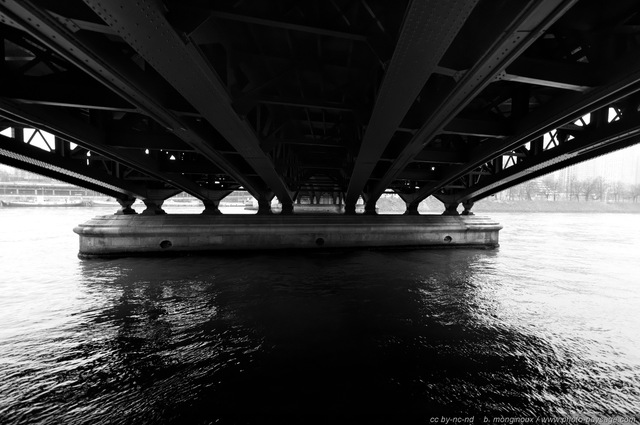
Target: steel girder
x,y
69,91
21,155
590,144
519,34
70,128
287,26
422,43
126,80
623,80
145,28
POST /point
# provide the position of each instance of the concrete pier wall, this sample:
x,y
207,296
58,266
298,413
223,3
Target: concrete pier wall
x,y
123,235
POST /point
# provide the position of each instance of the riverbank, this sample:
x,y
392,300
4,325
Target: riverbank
x,y
493,205
433,206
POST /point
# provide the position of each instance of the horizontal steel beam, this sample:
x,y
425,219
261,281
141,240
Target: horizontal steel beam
x,y
286,25
478,128
146,140
574,76
303,103
440,157
74,91
562,75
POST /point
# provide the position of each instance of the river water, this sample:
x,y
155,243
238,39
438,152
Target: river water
x,y
546,326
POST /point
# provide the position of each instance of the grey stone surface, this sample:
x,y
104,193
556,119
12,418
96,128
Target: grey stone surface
x,y
122,235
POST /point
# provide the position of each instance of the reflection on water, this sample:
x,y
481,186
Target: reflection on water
x,y
547,325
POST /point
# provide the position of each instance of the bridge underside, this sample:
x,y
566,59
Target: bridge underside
x,y
456,99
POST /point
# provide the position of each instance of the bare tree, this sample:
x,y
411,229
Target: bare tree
x,y
617,189
591,187
552,185
574,187
530,188
635,192
600,188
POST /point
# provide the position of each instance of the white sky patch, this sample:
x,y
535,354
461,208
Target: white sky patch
x,y
39,140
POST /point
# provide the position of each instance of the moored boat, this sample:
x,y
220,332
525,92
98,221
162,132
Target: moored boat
x,y
42,204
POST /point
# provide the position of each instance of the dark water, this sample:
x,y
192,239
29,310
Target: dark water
x,y
545,326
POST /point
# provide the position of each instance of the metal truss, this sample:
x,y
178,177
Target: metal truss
x,y
54,164
453,99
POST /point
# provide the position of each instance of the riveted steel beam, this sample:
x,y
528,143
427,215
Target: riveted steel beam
x,y
287,25
428,30
616,135
622,81
26,157
437,157
125,138
62,90
143,25
519,33
310,104
479,128
574,76
568,76
74,130
109,68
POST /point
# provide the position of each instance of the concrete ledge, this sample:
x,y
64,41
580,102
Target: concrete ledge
x,y
126,235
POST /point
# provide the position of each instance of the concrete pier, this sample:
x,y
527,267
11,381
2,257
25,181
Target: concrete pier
x,y
127,235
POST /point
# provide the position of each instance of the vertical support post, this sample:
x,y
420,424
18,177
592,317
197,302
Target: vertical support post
x,y
349,209
264,206
62,147
287,209
467,205
211,207
154,207
599,118
125,205
450,208
18,134
412,209
370,208
537,146
2,54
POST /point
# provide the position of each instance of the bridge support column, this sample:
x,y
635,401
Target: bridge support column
x,y
287,209
412,209
450,208
211,207
349,209
126,206
370,208
467,208
264,207
154,207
